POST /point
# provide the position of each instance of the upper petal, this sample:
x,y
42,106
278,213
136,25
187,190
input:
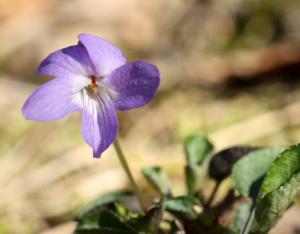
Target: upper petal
x,y
99,122
134,84
67,62
51,101
105,56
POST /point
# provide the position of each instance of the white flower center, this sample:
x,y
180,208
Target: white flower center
x,y
93,88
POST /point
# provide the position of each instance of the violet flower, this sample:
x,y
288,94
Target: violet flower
x,y
92,77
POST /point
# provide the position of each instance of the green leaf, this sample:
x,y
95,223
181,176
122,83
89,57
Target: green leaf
x,y
184,207
194,175
158,178
221,164
152,219
241,216
105,221
271,207
149,223
249,170
278,189
108,219
99,202
282,169
197,147
89,223
122,211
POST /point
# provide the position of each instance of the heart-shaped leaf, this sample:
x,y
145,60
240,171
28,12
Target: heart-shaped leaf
x,y
274,204
195,175
282,169
96,204
197,147
241,216
248,172
149,223
278,189
106,222
158,178
184,207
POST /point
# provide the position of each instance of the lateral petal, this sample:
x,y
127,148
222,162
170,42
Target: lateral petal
x,y
51,101
133,84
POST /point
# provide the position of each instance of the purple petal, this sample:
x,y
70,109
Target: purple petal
x,y
105,56
134,84
99,122
67,62
51,101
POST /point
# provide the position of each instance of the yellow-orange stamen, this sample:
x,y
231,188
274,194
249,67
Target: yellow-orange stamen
x,y
94,83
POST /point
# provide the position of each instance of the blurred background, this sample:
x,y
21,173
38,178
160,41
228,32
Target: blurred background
x,y
229,68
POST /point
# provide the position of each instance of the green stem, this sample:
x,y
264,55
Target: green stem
x,y
213,194
126,168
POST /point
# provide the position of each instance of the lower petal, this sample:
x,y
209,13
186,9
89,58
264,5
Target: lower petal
x,y
133,84
51,101
99,122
